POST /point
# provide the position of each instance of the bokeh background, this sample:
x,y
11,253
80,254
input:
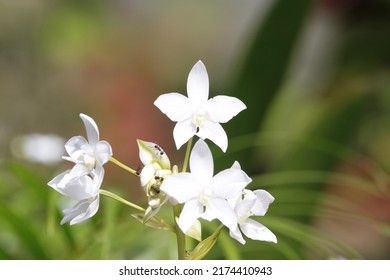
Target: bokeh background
x,y
315,76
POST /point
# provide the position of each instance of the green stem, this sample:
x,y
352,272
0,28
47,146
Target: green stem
x,y
125,167
122,200
187,155
180,237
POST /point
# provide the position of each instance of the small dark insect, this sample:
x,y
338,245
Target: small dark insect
x,y
158,178
158,148
139,169
156,190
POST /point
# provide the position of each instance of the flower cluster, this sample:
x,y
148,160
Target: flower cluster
x,y
199,193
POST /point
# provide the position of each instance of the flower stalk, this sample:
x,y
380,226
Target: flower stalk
x,y
180,236
125,167
122,200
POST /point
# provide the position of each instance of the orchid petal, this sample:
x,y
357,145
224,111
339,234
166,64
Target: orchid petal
x,y
150,152
147,174
175,105
192,210
91,128
264,199
57,181
80,188
230,182
201,161
215,132
183,131
76,146
236,165
198,84
256,231
245,204
236,234
182,187
98,175
223,108
195,231
82,211
103,152
222,211
78,170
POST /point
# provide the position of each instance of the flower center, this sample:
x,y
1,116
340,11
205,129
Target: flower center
x,y
205,197
199,118
88,160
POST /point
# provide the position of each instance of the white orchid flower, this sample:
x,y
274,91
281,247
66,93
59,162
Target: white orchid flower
x,y
204,195
251,203
82,182
156,168
84,189
196,114
87,154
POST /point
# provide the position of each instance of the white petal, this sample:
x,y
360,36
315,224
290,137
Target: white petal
x,y
223,108
236,234
80,188
91,128
182,187
192,210
195,231
77,146
236,165
230,182
198,84
201,162
151,152
221,210
256,231
264,199
59,180
98,175
245,204
175,105
81,211
147,174
215,132
183,131
79,169
103,152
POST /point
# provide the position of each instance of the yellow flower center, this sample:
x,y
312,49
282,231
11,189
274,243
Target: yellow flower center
x,y
205,197
199,118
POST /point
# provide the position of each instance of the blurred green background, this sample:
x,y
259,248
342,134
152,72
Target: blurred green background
x,y
315,76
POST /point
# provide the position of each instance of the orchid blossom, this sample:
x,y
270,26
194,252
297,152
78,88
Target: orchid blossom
x,y
251,203
204,195
82,182
197,114
87,154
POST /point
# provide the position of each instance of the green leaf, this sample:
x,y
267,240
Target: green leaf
x,y
23,231
29,179
264,69
205,246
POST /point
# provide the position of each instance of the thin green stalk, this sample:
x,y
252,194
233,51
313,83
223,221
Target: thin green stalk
x,y
187,155
122,200
180,237
125,167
